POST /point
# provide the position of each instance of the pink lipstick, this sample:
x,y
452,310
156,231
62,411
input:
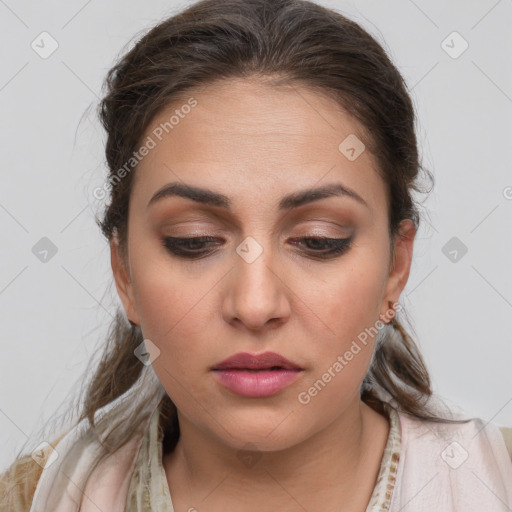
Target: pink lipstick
x,y
256,375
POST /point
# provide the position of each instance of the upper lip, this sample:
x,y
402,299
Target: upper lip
x,y
244,361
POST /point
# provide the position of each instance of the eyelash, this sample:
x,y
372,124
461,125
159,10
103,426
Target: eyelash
x,y
174,245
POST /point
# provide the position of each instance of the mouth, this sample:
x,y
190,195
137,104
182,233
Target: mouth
x,y
256,383
256,370
256,376
268,361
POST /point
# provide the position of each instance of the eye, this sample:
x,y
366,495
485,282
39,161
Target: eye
x,y
323,247
187,247
194,247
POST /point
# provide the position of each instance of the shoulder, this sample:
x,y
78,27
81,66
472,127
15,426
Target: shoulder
x,y
475,437
473,429
457,462
18,483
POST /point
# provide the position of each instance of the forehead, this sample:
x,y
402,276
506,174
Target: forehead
x,y
254,141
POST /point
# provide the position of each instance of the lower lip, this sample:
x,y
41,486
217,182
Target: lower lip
x,y
256,384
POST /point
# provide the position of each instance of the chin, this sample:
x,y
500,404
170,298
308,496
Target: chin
x,y
253,434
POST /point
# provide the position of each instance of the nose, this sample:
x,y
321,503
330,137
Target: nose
x,y
257,296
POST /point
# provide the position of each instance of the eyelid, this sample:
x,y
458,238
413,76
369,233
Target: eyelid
x,y
339,218
312,232
186,231
203,228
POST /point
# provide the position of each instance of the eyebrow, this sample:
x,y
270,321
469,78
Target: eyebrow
x,y
294,200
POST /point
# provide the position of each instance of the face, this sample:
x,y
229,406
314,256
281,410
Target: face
x,y
263,279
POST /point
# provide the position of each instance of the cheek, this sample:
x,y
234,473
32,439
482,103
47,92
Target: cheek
x,y
352,301
174,311
172,318
343,351
348,305
162,293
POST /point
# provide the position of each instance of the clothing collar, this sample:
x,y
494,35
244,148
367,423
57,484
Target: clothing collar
x,y
149,488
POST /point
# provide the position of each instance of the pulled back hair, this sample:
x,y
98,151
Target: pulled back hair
x,y
280,42
291,42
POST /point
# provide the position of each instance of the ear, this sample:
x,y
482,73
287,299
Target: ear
x,y
123,281
400,266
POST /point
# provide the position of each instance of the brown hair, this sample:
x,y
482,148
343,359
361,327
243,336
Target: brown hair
x,y
293,42
282,42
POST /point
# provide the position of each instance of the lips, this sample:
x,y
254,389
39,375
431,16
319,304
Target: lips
x,y
256,362
256,375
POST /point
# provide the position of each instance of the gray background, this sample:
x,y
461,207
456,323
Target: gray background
x,y
54,315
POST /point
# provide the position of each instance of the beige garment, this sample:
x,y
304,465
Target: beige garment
x,y
506,432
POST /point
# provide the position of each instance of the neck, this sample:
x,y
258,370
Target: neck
x,y
333,462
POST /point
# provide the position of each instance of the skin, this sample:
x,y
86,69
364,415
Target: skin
x,y
256,143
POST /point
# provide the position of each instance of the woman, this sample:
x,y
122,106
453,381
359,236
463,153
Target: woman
x,y
262,159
